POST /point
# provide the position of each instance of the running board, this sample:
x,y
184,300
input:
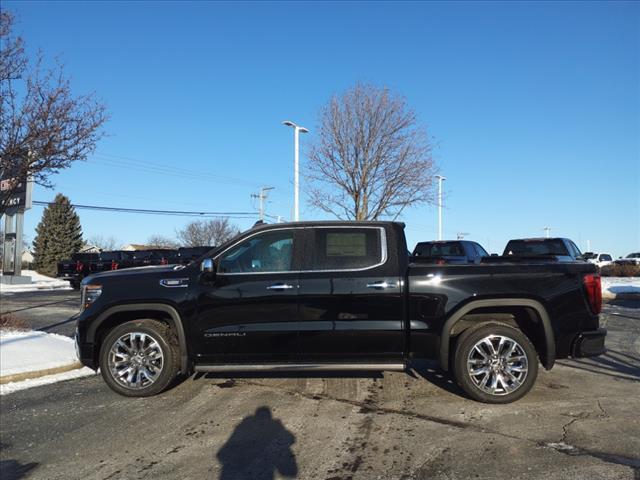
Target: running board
x,y
301,367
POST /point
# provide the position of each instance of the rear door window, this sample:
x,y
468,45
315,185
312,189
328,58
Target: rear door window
x,y
346,248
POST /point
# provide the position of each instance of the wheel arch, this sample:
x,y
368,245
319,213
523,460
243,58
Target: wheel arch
x,y
547,356
119,314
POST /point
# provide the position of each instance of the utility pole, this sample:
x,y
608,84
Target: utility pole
x,y
440,180
588,245
548,230
262,196
296,166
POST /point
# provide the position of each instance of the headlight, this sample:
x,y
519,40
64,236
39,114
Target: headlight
x,y
90,294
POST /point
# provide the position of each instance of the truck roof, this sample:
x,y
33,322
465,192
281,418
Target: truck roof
x,y
327,223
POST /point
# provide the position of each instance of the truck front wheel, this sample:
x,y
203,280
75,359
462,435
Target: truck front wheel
x,y
495,363
139,358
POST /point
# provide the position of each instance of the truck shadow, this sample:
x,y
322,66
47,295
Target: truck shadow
x,y
258,448
613,364
418,369
432,373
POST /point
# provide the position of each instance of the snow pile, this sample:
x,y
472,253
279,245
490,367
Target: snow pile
x,y
38,282
28,351
31,351
612,286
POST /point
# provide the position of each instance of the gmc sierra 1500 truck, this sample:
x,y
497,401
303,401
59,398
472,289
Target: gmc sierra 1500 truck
x,y
337,296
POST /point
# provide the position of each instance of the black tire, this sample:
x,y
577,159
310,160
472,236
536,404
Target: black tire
x,y
512,379
75,284
141,385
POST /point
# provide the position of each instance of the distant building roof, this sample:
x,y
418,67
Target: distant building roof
x,y
90,249
135,246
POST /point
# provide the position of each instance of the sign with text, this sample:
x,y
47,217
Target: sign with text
x,y
16,192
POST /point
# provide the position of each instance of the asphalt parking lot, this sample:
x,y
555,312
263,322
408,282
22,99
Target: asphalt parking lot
x,y
579,422
47,310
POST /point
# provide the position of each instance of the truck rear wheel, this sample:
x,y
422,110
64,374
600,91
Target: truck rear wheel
x,y
139,358
495,363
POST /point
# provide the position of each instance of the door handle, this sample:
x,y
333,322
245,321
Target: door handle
x,y
382,285
280,286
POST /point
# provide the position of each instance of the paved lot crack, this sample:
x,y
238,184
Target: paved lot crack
x,y
561,446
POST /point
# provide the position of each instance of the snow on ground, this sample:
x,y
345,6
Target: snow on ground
x,y
38,282
615,285
32,350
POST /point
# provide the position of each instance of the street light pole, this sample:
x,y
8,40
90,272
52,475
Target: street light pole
x,y
296,166
440,180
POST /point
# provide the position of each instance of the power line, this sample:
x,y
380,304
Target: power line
x,y
183,213
160,169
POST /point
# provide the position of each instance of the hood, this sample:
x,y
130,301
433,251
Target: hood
x,y
134,272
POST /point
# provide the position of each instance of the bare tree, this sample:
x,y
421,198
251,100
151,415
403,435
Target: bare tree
x,y
371,159
103,243
160,241
207,232
44,128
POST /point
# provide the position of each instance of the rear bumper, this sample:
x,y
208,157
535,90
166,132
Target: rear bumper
x,y
589,344
69,276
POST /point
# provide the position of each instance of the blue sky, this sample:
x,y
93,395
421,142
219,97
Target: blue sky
x,y
534,107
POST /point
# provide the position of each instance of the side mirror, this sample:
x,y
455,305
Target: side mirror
x,y
208,266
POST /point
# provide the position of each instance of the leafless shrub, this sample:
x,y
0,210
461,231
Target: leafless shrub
x,y
207,232
620,270
8,321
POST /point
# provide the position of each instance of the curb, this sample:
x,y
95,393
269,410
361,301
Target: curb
x,y
18,377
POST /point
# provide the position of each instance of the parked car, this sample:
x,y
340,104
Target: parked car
x,y
631,259
112,260
144,258
560,249
449,251
75,268
339,296
188,254
600,259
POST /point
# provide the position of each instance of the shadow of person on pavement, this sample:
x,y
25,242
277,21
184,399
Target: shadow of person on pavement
x,y
258,447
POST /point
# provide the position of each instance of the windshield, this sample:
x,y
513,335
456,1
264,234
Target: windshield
x,y
438,249
633,255
526,248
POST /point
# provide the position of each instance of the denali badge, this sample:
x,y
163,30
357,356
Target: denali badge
x,y
174,282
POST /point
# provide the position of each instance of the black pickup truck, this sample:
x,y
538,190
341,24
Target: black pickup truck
x,y
76,268
337,296
450,251
111,260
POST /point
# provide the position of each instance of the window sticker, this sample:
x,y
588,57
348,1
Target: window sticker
x,y
346,245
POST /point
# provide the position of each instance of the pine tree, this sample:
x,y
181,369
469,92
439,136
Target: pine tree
x,y
58,235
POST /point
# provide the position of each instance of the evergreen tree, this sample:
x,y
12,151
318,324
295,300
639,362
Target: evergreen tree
x,y
58,235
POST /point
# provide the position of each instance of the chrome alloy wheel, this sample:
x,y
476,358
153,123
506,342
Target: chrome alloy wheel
x,y
497,365
135,360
